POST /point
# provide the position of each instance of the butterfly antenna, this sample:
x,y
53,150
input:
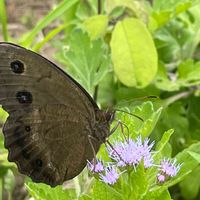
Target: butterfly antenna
x,y
111,146
121,125
138,117
149,97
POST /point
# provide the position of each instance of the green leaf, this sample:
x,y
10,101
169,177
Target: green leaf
x,y
150,117
164,11
96,25
135,126
3,115
88,60
102,191
133,53
3,20
42,192
48,37
189,73
163,82
158,195
188,164
138,8
190,185
196,156
85,197
28,39
160,147
164,140
174,116
86,9
139,183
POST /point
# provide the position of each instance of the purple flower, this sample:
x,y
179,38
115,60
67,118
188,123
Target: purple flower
x,y
111,176
161,178
95,167
144,150
169,167
131,152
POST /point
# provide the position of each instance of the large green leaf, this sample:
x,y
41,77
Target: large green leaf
x,y
133,53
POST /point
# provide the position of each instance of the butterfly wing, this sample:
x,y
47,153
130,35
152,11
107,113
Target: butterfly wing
x,y
50,116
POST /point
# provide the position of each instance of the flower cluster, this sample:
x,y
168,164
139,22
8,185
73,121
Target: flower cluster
x,y
132,153
167,169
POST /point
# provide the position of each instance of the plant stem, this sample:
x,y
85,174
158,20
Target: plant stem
x,y
176,97
95,92
99,6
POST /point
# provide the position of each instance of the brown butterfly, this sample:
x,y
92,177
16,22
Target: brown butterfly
x,y
54,126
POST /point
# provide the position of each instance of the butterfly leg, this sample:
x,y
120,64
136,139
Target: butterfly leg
x,y
121,125
111,146
90,138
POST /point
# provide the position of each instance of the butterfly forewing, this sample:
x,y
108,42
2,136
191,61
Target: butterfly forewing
x,y
50,117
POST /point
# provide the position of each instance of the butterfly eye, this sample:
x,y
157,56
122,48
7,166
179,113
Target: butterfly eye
x,y
24,97
25,154
17,67
27,128
110,116
38,163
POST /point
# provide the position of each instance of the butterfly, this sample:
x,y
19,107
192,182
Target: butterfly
x,y
54,126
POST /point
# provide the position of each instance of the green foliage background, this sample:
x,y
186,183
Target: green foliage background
x,y
122,51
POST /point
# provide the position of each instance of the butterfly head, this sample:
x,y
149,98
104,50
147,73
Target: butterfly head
x,y
109,115
103,121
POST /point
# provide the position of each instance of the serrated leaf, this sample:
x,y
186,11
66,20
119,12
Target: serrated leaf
x,y
150,117
135,126
133,53
42,192
87,60
96,25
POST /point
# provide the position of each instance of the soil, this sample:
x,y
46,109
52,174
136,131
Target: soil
x,y
23,15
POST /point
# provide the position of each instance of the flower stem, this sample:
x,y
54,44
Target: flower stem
x,y
99,6
178,96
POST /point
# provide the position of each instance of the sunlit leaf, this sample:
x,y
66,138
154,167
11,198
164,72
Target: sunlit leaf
x,y
133,53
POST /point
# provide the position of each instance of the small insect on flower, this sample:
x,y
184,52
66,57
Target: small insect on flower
x,y
95,167
111,176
